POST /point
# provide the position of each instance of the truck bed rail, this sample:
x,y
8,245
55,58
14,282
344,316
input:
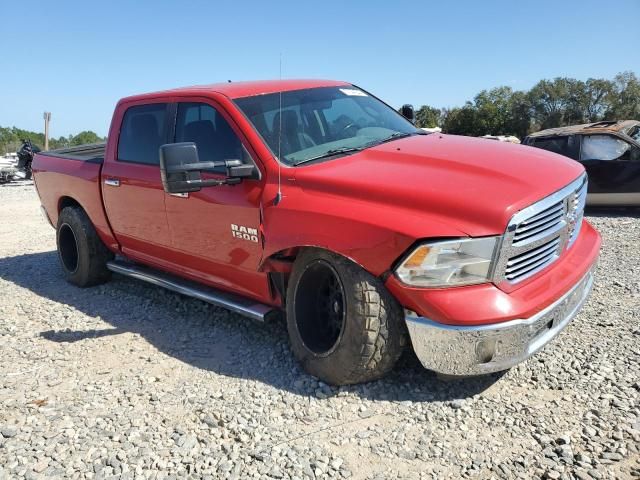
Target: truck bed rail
x,y
89,152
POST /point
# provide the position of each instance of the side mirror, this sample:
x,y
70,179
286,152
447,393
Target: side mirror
x,y
408,112
180,169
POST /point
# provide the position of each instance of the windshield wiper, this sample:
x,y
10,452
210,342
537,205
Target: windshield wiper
x,y
392,137
395,136
328,153
340,151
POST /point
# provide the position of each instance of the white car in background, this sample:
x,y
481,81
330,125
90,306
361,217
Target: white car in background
x,y
502,138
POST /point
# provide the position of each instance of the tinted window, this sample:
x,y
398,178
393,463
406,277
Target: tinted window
x,y
604,147
567,146
203,125
144,129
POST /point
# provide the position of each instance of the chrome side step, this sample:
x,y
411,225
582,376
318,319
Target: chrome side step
x,y
243,306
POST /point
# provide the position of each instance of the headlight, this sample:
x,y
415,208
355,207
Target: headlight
x,y
456,262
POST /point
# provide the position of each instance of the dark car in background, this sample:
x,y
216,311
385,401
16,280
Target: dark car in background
x,y
609,151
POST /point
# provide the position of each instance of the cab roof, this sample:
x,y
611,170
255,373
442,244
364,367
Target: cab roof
x,y
587,128
235,90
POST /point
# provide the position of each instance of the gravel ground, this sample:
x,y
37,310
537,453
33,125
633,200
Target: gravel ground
x,y
130,381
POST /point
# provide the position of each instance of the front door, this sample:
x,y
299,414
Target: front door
x,y
613,167
132,187
215,233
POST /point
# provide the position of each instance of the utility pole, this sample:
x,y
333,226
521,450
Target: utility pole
x,y
47,118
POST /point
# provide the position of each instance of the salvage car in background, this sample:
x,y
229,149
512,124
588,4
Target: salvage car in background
x,y
7,170
609,151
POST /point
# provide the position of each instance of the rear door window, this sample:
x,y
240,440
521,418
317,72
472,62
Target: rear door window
x,y
604,147
143,130
201,124
564,145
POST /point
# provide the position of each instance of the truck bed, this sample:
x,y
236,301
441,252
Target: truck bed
x,y
72,175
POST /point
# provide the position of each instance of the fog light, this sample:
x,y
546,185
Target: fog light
x,y
485,350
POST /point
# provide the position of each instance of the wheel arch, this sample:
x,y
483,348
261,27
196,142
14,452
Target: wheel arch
x,y
67,201
97,217
279,265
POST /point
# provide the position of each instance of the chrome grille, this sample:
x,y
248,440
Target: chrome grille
x,y
576,212
538,225
526,264
537,235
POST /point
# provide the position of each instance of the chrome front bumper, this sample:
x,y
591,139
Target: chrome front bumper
x,y
476,350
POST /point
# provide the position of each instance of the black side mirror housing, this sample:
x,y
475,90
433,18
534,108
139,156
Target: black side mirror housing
x,y
408,112
172,157
237,169
180,169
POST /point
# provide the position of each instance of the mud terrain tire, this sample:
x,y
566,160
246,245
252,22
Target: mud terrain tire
x,y
83,256
344,326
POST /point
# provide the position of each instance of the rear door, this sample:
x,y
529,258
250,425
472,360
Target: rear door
x,y
215,233
131,185
613,166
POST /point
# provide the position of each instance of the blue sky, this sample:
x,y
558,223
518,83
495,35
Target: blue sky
x,y
76,59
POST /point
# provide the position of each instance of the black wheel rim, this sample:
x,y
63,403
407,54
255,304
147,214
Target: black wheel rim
x,y
68,248
320,308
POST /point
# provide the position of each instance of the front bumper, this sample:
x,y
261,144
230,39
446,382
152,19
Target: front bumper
x,y
481,349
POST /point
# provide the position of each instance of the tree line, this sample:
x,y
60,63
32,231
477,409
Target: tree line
x,y
11,139
499,111
550,103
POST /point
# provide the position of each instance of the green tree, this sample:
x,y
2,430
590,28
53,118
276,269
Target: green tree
x,y
11,139
461,121
595,99
575,110
493,111
519,115
86,136
499,111
550,100
624,99
428,117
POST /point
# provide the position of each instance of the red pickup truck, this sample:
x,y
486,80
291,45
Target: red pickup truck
x,y
316,199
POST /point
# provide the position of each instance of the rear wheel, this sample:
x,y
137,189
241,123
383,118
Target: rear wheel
x,y
83,256
344,325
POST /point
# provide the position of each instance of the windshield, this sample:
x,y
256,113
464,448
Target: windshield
x,y
323,122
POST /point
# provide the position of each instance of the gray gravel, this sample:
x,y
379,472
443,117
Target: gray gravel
x,y
130,381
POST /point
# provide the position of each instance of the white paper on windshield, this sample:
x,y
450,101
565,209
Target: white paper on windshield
x,y
352,92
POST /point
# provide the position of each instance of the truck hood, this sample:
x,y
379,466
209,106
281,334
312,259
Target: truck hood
x,y
471,185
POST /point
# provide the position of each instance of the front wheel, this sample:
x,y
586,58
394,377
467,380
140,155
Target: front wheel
x,y
344,325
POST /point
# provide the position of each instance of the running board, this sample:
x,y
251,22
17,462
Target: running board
x,y
235,303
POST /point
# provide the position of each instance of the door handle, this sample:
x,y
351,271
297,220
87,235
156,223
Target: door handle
x,y
180,195
113,182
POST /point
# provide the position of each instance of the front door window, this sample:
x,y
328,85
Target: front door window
x,y
604,147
